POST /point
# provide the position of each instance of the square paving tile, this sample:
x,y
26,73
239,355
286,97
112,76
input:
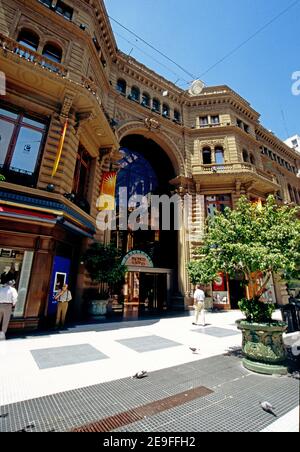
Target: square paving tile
x,y
148,343
217,332
46,358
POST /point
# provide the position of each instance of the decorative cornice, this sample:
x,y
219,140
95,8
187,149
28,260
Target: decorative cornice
x,y
276,143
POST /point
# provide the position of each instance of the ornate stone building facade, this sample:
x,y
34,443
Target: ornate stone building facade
x,y
72,99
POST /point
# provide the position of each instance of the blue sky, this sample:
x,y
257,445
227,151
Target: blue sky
x,y
198,33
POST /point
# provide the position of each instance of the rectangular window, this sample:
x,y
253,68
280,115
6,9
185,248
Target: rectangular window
x,y
21,139
216,203
6,133
16,265
23,282
81,178
215,119
203,121
26,151
64,10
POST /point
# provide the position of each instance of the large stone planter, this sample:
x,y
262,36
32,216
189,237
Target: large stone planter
x,y
98,308
263,347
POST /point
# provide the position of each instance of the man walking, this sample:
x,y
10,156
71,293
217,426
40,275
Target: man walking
x,y
199,297
8,300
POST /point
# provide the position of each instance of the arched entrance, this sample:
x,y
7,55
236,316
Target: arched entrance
x,y
145,169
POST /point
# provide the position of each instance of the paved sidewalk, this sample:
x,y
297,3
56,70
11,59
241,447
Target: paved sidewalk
x,y
60,381
286,424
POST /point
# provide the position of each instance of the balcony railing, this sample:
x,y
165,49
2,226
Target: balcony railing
x,y
232,168
10,45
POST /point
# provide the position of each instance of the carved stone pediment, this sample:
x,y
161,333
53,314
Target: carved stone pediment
x,y
151,123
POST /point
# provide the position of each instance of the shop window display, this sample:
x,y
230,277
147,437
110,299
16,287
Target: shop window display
x,y
10,265
16,264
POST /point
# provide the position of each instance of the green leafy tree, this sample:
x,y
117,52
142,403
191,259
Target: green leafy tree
x,y
103,263
254,240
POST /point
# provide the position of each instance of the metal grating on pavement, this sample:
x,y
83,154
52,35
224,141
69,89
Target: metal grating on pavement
x,y
233,406
128,417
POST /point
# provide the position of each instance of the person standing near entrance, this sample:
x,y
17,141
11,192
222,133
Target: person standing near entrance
x,y
63,297
199,297
8,300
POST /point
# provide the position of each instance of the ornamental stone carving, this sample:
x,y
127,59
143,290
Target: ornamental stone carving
x,y
212,143
263,342
151,124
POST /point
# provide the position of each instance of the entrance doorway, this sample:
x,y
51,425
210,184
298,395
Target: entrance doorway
x,y
146,170
147,290
237,292
153,291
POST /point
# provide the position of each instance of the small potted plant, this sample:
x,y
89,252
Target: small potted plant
x,y
103,263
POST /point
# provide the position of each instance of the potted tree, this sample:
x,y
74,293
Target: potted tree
x,y
257,241
103,263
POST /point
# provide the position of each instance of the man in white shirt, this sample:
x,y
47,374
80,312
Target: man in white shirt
x,y
8,300
199,297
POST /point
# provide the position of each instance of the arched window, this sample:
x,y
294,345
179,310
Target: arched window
x,y
29,39
146,100
206,156
245,155
121,86
219,151
53,52
177,116
135,93
252,159
156,105
136,173
166,111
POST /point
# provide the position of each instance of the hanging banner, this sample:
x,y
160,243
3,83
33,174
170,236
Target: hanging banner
x,y
219,284
107,197
60,147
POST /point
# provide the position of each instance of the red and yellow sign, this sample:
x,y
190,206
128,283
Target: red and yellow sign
x,y
219,283
108,191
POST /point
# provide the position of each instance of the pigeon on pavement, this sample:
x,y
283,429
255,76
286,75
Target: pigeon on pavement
x,y
140,374
266,406
194,349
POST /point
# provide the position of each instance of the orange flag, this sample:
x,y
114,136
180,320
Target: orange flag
x,y
107,197
59,150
